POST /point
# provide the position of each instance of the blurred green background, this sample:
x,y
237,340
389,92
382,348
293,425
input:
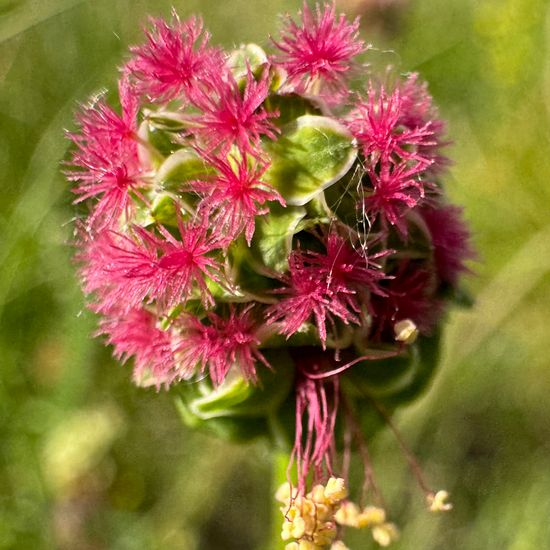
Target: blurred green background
x,y
88,461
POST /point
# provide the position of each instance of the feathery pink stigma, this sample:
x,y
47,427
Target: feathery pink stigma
x,y
451,241
134,334
106,158
126,270
347,267
231,116
377,125
314,443
309,293
220,345
396,189
321,48
418,110
108,171
234,197
173,60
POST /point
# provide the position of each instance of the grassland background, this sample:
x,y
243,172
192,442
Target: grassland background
x,y
88,461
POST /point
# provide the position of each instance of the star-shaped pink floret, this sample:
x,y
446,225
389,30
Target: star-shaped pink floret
x,y
236,194
321,48
174,59
231,115
126,270
220,343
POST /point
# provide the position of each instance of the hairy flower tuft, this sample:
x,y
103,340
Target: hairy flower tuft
x,y
319,51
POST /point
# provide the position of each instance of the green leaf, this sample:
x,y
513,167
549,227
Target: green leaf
x,y
290,107
248,55
181,167
312,153
396,380
219,401
272,240
164,210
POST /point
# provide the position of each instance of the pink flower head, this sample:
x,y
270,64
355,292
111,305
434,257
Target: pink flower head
x,y
451,241
220,345
134,333
321,49
126,270
309,293
347,267
396,189
231,116
98,121
175,57
236,194
106,159
110,171
377,125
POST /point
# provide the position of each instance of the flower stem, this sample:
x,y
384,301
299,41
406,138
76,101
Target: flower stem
x,y
279,476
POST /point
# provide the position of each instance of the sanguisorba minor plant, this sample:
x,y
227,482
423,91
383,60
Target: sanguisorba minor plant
x,y
267,235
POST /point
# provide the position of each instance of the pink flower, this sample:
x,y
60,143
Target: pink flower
x,y
451,241
220,345
175,57
126,270
346,266
134,333
321,49
235,195
323,285
395,190
231,116
99,122
377,125
106,159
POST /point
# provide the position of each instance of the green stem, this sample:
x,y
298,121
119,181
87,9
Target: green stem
x,y
279,476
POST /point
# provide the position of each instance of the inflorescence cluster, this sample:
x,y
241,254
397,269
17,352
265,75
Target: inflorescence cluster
x,y
267,233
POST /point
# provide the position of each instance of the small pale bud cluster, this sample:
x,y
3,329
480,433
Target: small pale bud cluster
x,y
313,519
371,517
310,519
438,502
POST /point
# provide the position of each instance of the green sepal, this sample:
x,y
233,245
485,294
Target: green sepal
x,y
312,154
396,380
290,107
247,56
229,428
182,167
272,240
164,210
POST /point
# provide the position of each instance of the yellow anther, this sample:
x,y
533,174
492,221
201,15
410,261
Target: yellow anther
x,y
405,331
336,489
438,502
318,494
298,527
385,534
292,546
283,493
347,514
371,516
339,545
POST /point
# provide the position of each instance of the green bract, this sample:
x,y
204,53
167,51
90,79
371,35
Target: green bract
x,y
312,153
